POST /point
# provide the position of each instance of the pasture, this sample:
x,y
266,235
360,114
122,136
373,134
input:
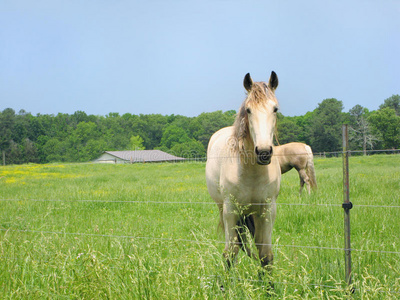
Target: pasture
x,y
93,231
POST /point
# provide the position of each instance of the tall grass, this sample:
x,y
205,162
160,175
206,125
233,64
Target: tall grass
x,y
150,231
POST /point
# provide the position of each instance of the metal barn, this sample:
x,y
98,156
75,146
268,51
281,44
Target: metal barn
x,y
137,156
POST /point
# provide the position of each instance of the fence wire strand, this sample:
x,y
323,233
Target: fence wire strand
x,y
189,203
315,154
188,240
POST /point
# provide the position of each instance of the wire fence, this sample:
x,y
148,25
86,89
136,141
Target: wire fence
x,y
188,240
194,202
356,152
206,242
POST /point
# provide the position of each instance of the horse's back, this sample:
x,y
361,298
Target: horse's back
x,y
292,155
218,138
308,149
217,152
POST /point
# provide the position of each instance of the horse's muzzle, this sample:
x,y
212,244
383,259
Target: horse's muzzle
x,y
264,156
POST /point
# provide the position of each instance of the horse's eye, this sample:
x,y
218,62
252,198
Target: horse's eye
x,y
275,109
248,110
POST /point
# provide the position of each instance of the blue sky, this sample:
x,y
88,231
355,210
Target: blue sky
x,y
188,57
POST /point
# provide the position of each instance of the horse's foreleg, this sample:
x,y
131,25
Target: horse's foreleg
x,y
263,234
232,245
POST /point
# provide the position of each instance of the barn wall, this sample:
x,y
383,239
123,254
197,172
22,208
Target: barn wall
x,y
106,158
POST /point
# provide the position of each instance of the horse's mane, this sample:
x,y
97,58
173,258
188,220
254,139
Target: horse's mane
x,y
259,94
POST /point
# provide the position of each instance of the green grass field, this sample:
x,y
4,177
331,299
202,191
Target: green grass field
x,y
91,231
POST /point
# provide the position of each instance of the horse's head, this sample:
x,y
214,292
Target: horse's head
x,y
259,116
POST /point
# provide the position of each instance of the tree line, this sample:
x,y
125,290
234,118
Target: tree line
x,y
80,137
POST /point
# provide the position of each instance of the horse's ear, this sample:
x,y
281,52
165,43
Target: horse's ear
x,y
273,81
247,82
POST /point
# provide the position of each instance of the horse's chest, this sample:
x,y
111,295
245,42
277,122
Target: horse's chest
x,y
250,185
256,190
250,189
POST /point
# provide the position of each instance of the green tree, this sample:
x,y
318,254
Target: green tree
x,y
208,123
136,143
78,117
40,142
152,127
60,126
325,127
21,126
392,102
92,149
55,150
29,151
189,149
173,135
386,125
7,122
82,137
288,131
14,155
77,140
304,123
114,132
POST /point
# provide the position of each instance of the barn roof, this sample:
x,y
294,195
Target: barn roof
x,y
144,156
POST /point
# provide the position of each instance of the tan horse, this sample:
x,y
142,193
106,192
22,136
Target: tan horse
x,y
300,157
243,177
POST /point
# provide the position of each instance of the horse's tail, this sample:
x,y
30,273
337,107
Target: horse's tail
x,y
310,168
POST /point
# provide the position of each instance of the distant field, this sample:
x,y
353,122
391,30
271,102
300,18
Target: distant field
x,y
92,231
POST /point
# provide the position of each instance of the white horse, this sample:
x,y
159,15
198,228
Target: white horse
x,y
243,177
300,157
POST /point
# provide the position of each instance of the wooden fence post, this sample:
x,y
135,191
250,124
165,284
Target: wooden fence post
x,y
347,205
